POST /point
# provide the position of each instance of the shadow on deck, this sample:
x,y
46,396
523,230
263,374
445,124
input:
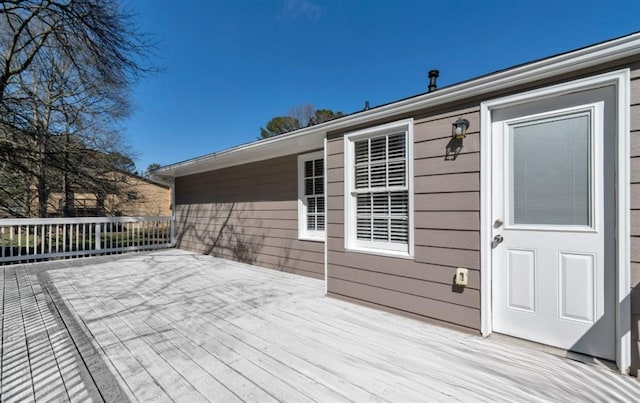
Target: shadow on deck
x,y
176,326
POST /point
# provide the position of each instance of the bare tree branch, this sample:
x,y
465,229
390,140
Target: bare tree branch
x,y
66,68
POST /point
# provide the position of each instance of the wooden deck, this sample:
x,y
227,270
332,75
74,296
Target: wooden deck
x,y
175,326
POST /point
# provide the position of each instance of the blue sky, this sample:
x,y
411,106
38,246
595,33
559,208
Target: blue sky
x,y
230,66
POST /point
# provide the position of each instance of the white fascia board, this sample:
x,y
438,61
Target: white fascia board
x,y
310,138
286,144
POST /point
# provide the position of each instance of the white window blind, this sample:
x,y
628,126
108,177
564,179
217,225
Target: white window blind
x,y
556,189
379,190
314,194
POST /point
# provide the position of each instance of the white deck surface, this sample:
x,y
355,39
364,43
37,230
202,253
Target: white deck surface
x,y
175,326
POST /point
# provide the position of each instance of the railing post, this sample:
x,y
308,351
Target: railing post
x,y
98,229
172,230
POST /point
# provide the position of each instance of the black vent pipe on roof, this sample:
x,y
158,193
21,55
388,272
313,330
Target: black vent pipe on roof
x,y
433,76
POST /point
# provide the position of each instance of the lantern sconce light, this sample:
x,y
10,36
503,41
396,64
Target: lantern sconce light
x,y
459,128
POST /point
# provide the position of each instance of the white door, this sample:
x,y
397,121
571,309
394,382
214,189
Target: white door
x,y
552,209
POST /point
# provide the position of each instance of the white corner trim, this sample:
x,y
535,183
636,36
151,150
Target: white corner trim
x,y
621,80
326,222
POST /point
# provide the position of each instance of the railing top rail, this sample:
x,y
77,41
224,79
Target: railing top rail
x,y
6,222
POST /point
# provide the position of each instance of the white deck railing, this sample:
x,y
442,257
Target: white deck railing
x,y
27,240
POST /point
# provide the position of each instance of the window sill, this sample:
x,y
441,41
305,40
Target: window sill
x,y
380,252
311,238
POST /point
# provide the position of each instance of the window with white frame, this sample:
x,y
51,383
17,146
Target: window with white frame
x,y
378,180
311,206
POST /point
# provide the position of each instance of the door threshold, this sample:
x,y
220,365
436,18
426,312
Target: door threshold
x,y
572,355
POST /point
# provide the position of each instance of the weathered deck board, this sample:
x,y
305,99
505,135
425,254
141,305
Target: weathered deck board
x,y
176,326
16,374
39,360
136,376
46,374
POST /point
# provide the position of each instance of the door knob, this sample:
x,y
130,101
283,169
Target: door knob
x,y
497,240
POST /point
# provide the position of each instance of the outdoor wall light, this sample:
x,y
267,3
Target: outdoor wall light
x,y
459,128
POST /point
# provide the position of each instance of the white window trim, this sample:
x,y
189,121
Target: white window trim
x,y
303,233
350,241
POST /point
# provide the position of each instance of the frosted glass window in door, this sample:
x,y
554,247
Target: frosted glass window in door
x,y
550,171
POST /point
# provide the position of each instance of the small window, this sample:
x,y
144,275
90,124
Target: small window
x,y
378,178
311,202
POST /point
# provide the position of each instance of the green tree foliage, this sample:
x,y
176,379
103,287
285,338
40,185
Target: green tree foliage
x,y
279,125
300,116
324,115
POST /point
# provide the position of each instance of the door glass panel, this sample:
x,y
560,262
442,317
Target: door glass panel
x,y
550,171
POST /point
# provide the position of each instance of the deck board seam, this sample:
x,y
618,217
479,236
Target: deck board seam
x,y
231,335
106,354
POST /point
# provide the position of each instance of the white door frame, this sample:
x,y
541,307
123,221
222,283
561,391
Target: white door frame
x,y
621,80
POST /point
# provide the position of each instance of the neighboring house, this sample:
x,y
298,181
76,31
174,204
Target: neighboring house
x,y
131,195
528,226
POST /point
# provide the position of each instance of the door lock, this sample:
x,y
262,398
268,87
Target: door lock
x,y
497,240
497,223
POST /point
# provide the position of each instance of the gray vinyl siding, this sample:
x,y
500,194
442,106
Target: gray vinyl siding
x,y
635,216
446,229
247,213
447,223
